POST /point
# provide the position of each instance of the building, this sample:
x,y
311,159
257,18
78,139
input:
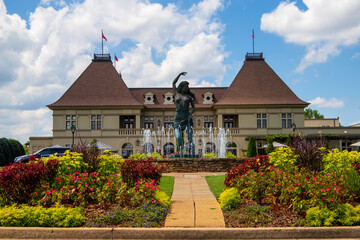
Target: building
x,y
257,103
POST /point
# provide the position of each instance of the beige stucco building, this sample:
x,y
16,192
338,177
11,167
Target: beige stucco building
x,y
257,103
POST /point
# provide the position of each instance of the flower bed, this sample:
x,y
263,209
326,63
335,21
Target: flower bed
x,y
323,194
126,191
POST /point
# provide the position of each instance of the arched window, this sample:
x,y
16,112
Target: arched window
x,y
126,150
169,148
148,148
231,147
210,147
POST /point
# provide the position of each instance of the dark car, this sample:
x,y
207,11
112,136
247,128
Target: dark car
x,y
45,152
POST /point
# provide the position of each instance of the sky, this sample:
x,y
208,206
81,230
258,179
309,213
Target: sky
x,y
313,45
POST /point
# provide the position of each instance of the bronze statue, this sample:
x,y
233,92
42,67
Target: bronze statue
x,y
183,98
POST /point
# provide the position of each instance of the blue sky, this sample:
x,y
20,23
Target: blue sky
x,y
313,45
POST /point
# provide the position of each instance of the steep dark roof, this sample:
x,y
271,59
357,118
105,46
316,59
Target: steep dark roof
x,y
98,85
257,84
138,93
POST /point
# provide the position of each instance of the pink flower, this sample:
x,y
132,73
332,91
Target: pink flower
x,y
91,189
322,190
328,189
336,188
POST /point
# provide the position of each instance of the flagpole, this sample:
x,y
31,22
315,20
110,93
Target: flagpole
x,y
115,60
253,36
102,45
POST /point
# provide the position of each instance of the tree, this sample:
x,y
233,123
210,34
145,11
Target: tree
x,y
6,151
2,156
251,149
270,147
309,114
12,150
19,149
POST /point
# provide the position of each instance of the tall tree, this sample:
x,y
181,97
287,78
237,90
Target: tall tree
x,y
309,113
6,151
2,156
251,149
12,150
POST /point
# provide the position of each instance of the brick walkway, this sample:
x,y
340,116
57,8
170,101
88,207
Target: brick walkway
x,y
192,202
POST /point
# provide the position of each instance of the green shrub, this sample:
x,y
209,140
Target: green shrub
x,y
345,214
163,198
229,199
334,160
317,217
270,146
109,164
70,163
230,155
2,156
146,215
251,149
283,157
6,152
12,150
154,155
28,216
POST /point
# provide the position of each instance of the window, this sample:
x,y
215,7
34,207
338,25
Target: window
x,y
148,122
168,122
286,120
230,121
208,121
126,150
70,120
261,120
95,121
231,147
127,121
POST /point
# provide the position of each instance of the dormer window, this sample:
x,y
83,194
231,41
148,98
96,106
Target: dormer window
x,y
169,98
149,98
208,98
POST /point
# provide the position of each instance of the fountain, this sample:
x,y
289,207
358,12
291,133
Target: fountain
x,y
158,139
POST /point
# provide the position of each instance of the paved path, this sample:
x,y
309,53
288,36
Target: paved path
x,y
192,202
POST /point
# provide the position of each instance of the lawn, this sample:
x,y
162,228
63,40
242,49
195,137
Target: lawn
x,y
167,184
216,184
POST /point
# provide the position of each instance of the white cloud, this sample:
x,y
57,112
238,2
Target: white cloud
x,y
325,27
42,57
18,124
327,103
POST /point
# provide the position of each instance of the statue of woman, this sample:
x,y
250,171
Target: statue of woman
x,y
183,98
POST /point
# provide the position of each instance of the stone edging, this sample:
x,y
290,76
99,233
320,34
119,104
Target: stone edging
x,y
181,233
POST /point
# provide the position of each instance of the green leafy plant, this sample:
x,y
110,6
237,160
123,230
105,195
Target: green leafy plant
x,y
109,164
229,199
345,215
335,161
37,216
283,157
317,217
270,147
163,198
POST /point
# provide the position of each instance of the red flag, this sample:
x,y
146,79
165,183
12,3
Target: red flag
x,y
116,59
253,34
104,37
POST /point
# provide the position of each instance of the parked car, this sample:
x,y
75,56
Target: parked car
x,y
45,152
